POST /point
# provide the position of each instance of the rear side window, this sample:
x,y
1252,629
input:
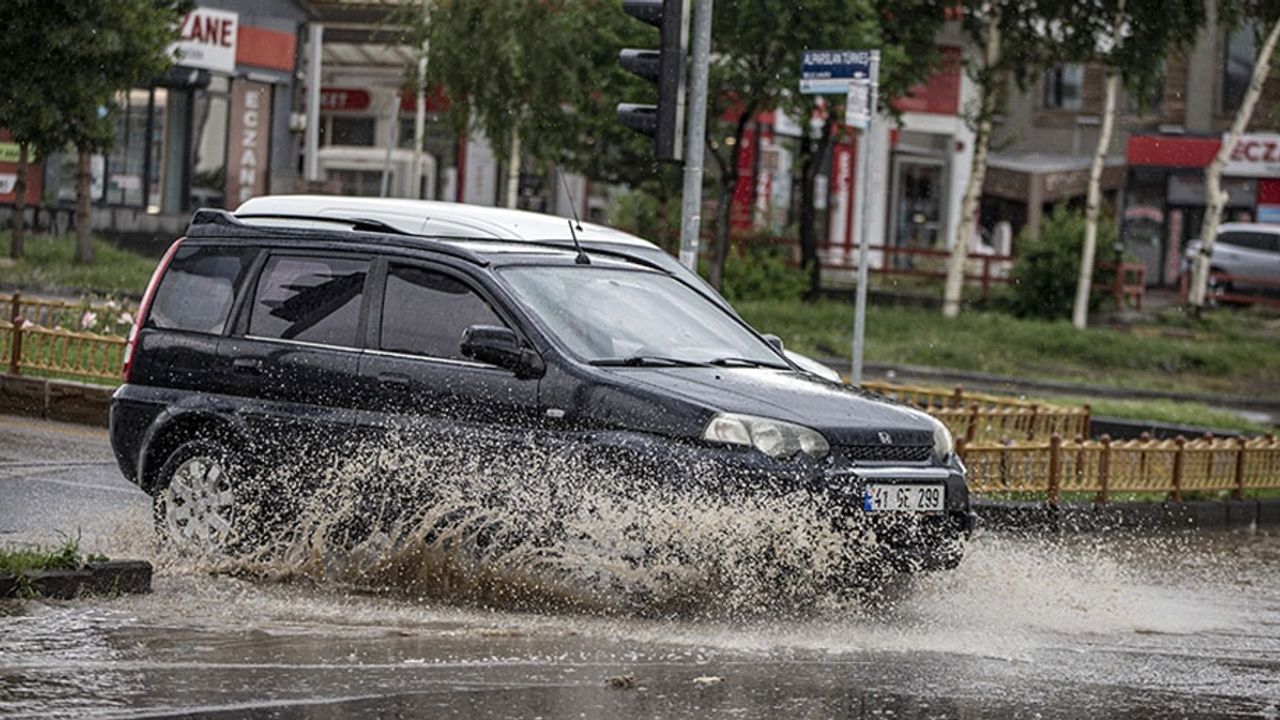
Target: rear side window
x,y
198,289
425,313
309,299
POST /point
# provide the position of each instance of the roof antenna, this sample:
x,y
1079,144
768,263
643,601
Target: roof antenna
x,y
582,258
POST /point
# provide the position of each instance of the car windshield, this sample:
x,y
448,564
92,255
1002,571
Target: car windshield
x,y
614,316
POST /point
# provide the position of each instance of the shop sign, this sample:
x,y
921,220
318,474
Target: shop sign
x,y
344,99
7,182
1256,155
10,152
207,39
248,141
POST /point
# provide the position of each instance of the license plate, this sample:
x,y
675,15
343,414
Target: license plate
x,y
903,498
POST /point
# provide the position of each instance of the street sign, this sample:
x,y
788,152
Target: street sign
x,y
857,106
829,71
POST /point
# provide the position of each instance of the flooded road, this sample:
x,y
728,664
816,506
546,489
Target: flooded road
x,y
1182,625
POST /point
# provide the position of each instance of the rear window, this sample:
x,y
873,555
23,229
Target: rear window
x,y
309,299
197,290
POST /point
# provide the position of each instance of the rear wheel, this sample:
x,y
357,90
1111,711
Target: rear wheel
x,y
196,506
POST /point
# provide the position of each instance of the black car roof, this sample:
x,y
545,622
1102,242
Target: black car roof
x,y
211,224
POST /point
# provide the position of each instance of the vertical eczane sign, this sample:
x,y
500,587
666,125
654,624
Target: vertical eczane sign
x,y
207,39
248,141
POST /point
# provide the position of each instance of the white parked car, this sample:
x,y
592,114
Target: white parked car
x,y
428,217
1242,250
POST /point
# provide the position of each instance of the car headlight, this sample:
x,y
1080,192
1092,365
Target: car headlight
x,y
774,438
943,443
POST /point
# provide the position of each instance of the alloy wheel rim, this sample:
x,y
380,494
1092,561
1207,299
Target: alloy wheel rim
x,y
199,504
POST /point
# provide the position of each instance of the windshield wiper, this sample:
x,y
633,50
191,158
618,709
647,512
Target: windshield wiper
x,y
744,362
646,361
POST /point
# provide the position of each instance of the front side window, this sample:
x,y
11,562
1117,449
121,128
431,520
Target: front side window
x,y
1063,86
309,299
426,312
198,288
610,315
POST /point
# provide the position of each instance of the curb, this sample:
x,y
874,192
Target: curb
x,y
113,577
1091,517
62,400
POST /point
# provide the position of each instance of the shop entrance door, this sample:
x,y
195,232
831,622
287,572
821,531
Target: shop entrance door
x,y
919,189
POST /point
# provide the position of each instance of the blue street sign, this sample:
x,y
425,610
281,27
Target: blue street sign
x,y
829,71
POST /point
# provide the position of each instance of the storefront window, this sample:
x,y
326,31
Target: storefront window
x,y
439,142
125,164
1062,87
1237,66
209,161
357,131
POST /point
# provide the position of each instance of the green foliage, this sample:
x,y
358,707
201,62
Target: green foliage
x,y
65,556
1222,357
65,61
48,266
1043,282
762,273
548,69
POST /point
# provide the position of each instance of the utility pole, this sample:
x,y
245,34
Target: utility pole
x,y
864,220
695,137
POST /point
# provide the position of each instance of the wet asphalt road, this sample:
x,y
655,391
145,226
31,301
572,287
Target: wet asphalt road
x,y
1106,626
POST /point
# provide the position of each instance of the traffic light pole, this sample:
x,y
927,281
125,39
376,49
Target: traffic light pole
x,y
864,222
695,136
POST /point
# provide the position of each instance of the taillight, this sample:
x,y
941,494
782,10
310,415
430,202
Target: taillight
x,y
145,306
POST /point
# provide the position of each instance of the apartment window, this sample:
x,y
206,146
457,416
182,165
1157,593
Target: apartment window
x,y
1063,87
1237,66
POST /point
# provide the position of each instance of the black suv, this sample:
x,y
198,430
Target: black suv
x,y
262,333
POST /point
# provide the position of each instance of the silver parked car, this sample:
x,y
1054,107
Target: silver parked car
x,y
1244,251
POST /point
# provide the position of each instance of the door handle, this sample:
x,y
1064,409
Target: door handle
x,y
393,379
247,366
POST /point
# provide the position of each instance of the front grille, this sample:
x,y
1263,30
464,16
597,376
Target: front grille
x,y
886,453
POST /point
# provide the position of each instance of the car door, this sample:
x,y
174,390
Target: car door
x,y
294,355
414,375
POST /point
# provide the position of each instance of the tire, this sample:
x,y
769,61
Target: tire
x,y
197,506
1216,289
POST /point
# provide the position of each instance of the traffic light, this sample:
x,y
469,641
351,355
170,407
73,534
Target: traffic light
x,y
664,67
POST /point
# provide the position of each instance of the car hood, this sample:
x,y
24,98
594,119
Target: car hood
x,y
843,414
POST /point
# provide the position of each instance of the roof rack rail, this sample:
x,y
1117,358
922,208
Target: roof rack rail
x,y
210,222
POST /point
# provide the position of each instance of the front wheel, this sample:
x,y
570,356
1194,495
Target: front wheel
x,y
196,506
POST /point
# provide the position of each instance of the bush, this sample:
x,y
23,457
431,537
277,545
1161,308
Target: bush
x,y
1043,282
762,273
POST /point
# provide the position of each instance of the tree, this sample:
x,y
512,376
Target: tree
x,y
757,47
541,68
1019,40
1131,39
1265,13
31,120
88,52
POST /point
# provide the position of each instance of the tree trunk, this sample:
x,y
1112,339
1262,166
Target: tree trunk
x,y
18,240
1093,206
978,172
724,212
1214,197
513,169
84,241
813,154
724,217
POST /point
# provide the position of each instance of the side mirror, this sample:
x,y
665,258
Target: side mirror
x,y
500,346
774,340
